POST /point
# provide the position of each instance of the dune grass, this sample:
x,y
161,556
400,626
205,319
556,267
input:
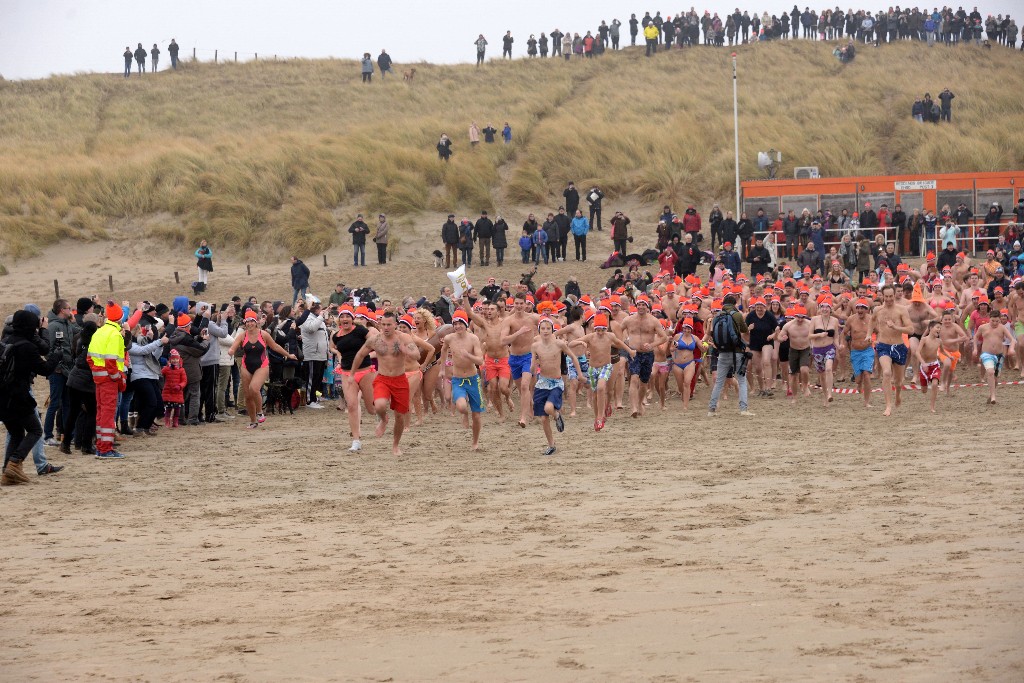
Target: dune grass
x,y
257,156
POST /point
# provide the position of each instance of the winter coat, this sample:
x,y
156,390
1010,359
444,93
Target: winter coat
x,y
191,350
29,351
500,239
300,275
175,381
314,337
450,232
484,228
145,359
358,229
580,226
381,234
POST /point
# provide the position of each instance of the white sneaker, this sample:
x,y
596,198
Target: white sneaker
x,y
356,446
316,406
747,413
225,416
51,442
711,413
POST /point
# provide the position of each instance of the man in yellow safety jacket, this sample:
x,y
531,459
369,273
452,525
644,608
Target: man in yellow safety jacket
x,y
106,360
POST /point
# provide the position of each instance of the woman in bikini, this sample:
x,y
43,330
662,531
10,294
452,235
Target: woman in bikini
x,y
255,364
837,279
684,365
662,365
825,332
426,329
355,382
414,367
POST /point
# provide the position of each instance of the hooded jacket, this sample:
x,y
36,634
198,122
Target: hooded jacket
x,y
29,351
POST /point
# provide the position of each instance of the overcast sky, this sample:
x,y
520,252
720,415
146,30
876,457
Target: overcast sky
x,y
39,38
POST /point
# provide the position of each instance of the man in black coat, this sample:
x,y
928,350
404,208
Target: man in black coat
x,y
689,255
17,407
563,221
947,257
759,259
572,199
358,229
450,238
384,64
483,231
300,279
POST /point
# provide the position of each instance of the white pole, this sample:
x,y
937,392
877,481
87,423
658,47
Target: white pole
x,y
736,134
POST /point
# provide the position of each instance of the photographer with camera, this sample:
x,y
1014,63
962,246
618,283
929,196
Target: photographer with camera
x,y
730,336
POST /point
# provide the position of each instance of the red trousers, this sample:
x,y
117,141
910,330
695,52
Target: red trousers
x,y
106,414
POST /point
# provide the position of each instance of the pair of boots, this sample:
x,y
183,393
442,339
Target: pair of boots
x,y
170,418
13,475
128,427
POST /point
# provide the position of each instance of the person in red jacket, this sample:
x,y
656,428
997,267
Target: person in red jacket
x,y
548,291
175,380
691,222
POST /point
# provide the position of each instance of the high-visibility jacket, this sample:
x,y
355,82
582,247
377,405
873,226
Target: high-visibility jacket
x,y
651,32
106,353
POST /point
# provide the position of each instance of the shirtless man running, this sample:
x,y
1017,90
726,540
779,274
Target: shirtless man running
x,y
891,322
920,315
600,343
390,386
517,330
989,342
467,354
862,353
571,334
547,365
929,365
496,365
951,336
643,332
798,332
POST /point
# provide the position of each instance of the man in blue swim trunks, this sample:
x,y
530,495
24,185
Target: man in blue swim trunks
x,y
547,364
994,342
890,322
862,353
642,333
518,332
467,356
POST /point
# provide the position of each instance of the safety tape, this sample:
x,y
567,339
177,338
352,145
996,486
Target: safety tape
x,y
908,387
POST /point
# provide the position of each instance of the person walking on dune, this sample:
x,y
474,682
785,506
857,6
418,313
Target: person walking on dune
x,y
384,64
367,68
300,279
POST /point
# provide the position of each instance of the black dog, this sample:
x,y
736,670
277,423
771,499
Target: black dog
x,y
281,396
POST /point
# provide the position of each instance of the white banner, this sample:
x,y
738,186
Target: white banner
x,y
904,185
459,282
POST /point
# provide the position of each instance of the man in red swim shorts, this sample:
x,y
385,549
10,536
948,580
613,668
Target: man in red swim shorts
x,y
391,386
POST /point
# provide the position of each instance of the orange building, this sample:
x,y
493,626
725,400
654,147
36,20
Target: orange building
x,y
926,191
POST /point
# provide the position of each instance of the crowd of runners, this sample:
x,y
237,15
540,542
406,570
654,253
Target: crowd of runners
x,y
526,354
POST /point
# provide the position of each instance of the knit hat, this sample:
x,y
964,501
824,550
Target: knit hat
x,y
174,354
25,321
114,311
600,321
184,321
83,306
32,308
460,317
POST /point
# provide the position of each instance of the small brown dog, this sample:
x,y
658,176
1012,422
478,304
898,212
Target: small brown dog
x,y
408,75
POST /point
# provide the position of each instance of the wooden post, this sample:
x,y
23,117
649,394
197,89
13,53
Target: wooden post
x,y
193,54
325,260
56,290
236,56
110,282
255,56
215,56
177,280
248,269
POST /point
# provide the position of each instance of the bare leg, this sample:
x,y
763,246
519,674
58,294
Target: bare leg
x,y
477,422
525,399
886,363
897,371
399,428
380,407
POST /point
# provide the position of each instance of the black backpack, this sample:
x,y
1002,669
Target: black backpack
x,y
724,333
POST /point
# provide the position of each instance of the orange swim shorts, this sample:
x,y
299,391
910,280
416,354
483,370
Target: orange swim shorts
x,y
496,367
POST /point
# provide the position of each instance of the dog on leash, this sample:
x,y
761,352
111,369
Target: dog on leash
x,y
282,396
408,75
438,258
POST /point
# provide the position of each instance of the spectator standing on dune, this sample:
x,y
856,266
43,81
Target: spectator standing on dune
x,y
154,57
172,50
140,58
127,62
380,238
506,45
481,48
367,68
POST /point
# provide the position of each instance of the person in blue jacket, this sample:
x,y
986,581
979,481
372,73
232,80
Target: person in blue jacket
x,y
579,227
